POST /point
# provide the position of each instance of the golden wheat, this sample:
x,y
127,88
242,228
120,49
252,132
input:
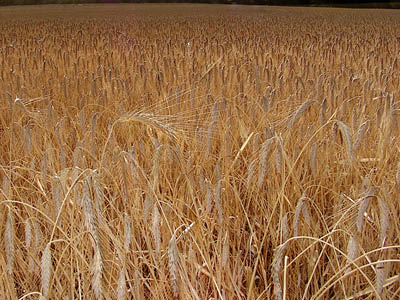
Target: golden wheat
x,y
258,126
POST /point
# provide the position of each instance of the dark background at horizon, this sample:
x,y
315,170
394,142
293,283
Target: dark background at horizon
x,y
345,3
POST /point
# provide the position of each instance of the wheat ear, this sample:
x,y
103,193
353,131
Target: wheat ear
x,y
218,205
363,208
300,111
278,156
263,158
121,289
352,248
276,270
97,268
314,152
301,209
384,219
173,264
156,227
360,135
380,277
28,234
344,129
9,241
127,239
46,270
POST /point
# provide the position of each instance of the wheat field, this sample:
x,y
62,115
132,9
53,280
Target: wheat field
x,y
199,152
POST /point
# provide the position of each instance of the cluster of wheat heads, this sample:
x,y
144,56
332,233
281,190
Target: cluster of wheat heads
x,y
196,152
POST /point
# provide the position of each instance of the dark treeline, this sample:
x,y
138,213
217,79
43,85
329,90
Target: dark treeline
x,y
346,3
